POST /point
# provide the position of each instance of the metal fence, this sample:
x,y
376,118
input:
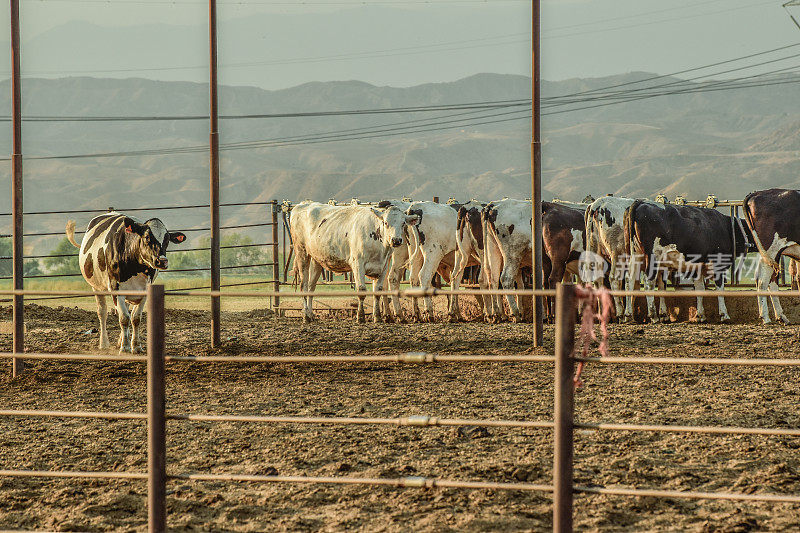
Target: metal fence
x,y
563,423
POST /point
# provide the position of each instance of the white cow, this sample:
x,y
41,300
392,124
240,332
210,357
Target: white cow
x,y
353,238
397,264
508,238
433,247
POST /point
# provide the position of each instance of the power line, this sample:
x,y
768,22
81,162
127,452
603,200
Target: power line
x,y
489,104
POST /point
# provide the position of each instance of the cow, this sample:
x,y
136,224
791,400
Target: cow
x,y
509,245
397,265
771,215
470,242
605,236
697,242
434,247
119,252
352,238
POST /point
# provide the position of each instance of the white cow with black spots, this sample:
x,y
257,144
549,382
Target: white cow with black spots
x,y
118,252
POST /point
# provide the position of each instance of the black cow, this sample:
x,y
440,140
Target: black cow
x,y
772,215
697,242
119,252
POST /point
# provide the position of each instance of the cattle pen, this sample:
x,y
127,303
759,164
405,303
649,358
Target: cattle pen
x,y
563,423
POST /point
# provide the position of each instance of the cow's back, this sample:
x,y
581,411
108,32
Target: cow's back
x,y
334,235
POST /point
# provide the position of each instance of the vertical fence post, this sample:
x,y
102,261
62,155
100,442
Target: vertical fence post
x,y
276,276
436,199
536,174
214,173
156,417
563,409
17,254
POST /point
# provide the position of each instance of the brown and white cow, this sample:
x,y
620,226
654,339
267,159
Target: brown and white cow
x,y
118,252
352,238
469,239
696,242
772,216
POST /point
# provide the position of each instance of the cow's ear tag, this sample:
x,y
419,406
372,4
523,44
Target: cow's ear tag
x,y
180,238
128,229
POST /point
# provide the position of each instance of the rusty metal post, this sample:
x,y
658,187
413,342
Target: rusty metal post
x,y
285,258
563,409
536,175
276,277
156,416
17,254
214,164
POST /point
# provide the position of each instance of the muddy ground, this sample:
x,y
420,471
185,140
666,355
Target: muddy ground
x,y
744,396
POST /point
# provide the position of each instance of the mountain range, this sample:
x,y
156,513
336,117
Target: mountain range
x,y
726,143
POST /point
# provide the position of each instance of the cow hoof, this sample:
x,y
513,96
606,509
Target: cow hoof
x,y
104,345
307,319
725,320
785,321
766,321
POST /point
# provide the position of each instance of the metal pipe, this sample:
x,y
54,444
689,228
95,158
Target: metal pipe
x,y
18,312
214,173
276,301
536,174
156,406
563,409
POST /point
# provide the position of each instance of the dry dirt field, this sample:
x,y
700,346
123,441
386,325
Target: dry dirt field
x,y
633,394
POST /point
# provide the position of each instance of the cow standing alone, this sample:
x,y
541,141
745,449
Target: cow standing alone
x,y
119,252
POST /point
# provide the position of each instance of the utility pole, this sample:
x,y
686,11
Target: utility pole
x,y
536,174
214,165
17,365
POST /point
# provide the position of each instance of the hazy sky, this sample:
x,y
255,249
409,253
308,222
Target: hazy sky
x,y
397,43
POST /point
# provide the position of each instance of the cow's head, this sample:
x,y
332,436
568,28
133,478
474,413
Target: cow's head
x,y
393,222
151,248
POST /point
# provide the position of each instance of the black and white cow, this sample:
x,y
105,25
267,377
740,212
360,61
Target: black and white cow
x,y
118,252
352,238
772,215
605,236
434,247
696,242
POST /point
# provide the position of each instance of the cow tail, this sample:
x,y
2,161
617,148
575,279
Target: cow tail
x,y
70,230
415,247
588,222
629,230
748,216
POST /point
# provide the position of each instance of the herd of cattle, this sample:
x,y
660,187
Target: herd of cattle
x,y
611,240
629,238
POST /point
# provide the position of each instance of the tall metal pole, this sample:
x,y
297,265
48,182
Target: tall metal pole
x,y
564,407
17,365
214,164
536,175
156,416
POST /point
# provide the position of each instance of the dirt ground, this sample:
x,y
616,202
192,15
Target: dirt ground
x,y
658,394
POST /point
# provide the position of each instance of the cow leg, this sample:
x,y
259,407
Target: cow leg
x,y
663,314
459,264
395,276
415,268
507,279
615,280
301,264
136,319
700,285
724,317
124,322
633,277
314,272
429,267
493,260
361,285
102,314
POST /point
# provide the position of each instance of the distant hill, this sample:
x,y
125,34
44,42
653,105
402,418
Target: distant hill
x,y
727,143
